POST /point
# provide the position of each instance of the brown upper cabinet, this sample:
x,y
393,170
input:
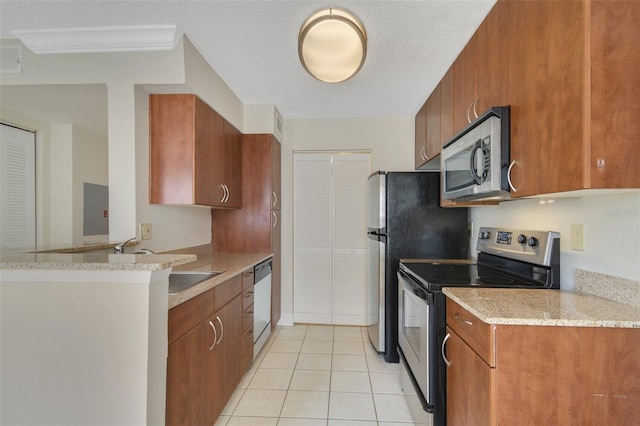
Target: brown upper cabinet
x,y
569,72
195,155
428,145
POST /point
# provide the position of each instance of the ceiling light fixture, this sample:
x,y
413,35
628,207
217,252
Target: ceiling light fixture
x,y
133,38
332,45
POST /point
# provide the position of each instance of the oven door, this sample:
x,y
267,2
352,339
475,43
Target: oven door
x,y
414,309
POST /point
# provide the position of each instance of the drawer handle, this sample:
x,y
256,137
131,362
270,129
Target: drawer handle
x,y
248,294
444,357
248,314
215,336
459,318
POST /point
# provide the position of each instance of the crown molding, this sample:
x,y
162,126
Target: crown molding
x,y
134,38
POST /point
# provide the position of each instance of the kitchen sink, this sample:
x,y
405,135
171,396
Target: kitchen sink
x,y
183,280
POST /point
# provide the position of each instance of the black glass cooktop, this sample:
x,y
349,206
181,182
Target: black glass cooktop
x,y
434,276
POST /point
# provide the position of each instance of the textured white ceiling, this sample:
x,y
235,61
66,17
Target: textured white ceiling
x,y
253,46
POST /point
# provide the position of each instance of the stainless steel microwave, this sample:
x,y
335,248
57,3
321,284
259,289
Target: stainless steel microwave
x,y
475,163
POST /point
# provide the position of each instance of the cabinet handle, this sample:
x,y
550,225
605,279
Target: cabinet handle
x,y
468,118
513,188
224,193
459,318
275,199
221,330
215,336
275,219
444,357
225,198
249,293
248,314
474,106
423,153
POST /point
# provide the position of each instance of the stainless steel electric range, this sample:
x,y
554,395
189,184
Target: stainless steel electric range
x,y
507,258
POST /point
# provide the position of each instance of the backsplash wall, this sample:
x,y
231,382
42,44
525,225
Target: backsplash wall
x,y
611,227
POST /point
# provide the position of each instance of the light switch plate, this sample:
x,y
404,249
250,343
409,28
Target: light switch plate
x,y
577,237
145,231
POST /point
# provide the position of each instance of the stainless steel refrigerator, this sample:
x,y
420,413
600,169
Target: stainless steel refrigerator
x,y
405,222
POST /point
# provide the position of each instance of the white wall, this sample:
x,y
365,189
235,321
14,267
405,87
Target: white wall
x,y
389,139
89,165
611,227
61,184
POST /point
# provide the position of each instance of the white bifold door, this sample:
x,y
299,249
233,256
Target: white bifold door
x,y
330,237
17,187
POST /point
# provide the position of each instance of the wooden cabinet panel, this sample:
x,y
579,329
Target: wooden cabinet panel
x,y
470,386
233,165
227,291
249,229
547,106
465,70
276,269
248,278
194,153
594,372
276,171
446,108
190,388
420,136
227,353
614,88
479,335
188,314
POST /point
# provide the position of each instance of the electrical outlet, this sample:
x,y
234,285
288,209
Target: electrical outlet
x,y
577,237
145,231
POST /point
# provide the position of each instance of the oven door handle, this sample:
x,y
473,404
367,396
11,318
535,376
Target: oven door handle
x,y
416,289
444,357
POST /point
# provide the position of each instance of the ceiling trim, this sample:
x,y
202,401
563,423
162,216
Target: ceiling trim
x,y
133,38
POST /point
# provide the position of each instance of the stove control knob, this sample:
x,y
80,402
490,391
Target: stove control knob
x,y
484,235
533,242
522,239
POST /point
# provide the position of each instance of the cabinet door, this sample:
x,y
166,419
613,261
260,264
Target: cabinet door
x,y
208,171
232,165
464,85
615,82
446,108
547,97
227,353
421,136
189,375
276,180
433,146
276,271
470,386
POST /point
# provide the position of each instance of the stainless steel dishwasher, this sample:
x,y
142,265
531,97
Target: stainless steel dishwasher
x,y
261,305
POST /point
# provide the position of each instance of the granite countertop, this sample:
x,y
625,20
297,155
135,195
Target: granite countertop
x,y
544,307
231,263
88,257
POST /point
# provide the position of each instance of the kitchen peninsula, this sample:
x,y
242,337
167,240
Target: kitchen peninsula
x,y
84,334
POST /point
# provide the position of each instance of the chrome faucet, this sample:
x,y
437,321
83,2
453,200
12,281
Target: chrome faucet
x,y
119,249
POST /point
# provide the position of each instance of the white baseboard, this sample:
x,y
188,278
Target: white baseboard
x,y
286,320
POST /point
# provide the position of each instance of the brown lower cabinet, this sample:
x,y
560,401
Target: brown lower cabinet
x,y
540,375
204,363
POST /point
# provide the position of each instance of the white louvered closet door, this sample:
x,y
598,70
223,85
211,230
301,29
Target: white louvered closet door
x,y
330,243
17,187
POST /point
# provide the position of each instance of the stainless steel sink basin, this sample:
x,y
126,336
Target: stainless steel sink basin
x,y
183,280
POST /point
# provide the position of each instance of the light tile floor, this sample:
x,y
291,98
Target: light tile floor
x,y
309,375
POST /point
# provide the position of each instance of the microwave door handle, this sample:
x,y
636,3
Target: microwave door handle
x,y
472,166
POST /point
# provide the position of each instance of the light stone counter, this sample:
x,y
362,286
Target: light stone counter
x,y
544,307
231,263
16,259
